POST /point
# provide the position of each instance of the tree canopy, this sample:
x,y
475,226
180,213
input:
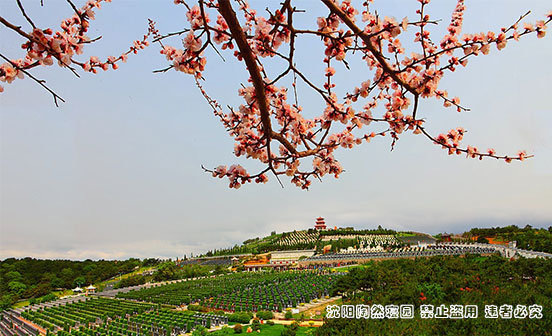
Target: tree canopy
x,y
468,280
30,278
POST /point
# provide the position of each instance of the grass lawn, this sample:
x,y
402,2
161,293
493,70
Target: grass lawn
x,y
276,330
101,285
318,311
63,293
405,234
21,304
347,268
266,330
28,302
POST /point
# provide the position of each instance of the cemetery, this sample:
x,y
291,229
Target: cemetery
x,y
156,311
242,291
82,313
298,238
285,281
103,317
287,291
360,255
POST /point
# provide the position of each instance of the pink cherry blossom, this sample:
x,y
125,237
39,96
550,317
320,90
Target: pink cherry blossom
x,y
268,124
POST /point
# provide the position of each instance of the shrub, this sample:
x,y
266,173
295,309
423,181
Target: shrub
x,y
256,325
482,239
265,315
223,331
290,330
238,329
200,331
240,317
288,315
198,308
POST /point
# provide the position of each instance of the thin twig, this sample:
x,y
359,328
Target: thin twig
x,y
39,81
25,14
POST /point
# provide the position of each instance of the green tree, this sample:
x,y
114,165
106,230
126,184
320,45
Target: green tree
x,y
13,276
17,287
67,275
79,281
56,282
165,271
7,300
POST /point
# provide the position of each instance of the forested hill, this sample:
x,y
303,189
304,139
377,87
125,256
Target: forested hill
x,y
32,278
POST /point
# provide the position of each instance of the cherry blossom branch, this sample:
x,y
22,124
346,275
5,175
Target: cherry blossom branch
x,y
36,40
366,39
43,44
450,142
269,127
39,81
245,51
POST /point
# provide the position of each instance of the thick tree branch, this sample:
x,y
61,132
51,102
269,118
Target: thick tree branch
x,y
229,15
366,39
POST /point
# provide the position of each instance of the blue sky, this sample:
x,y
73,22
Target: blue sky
x,y
115,171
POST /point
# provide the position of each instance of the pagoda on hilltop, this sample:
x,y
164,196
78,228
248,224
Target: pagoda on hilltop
x,y
320,224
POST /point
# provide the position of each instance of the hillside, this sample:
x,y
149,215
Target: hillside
x,y
300,240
